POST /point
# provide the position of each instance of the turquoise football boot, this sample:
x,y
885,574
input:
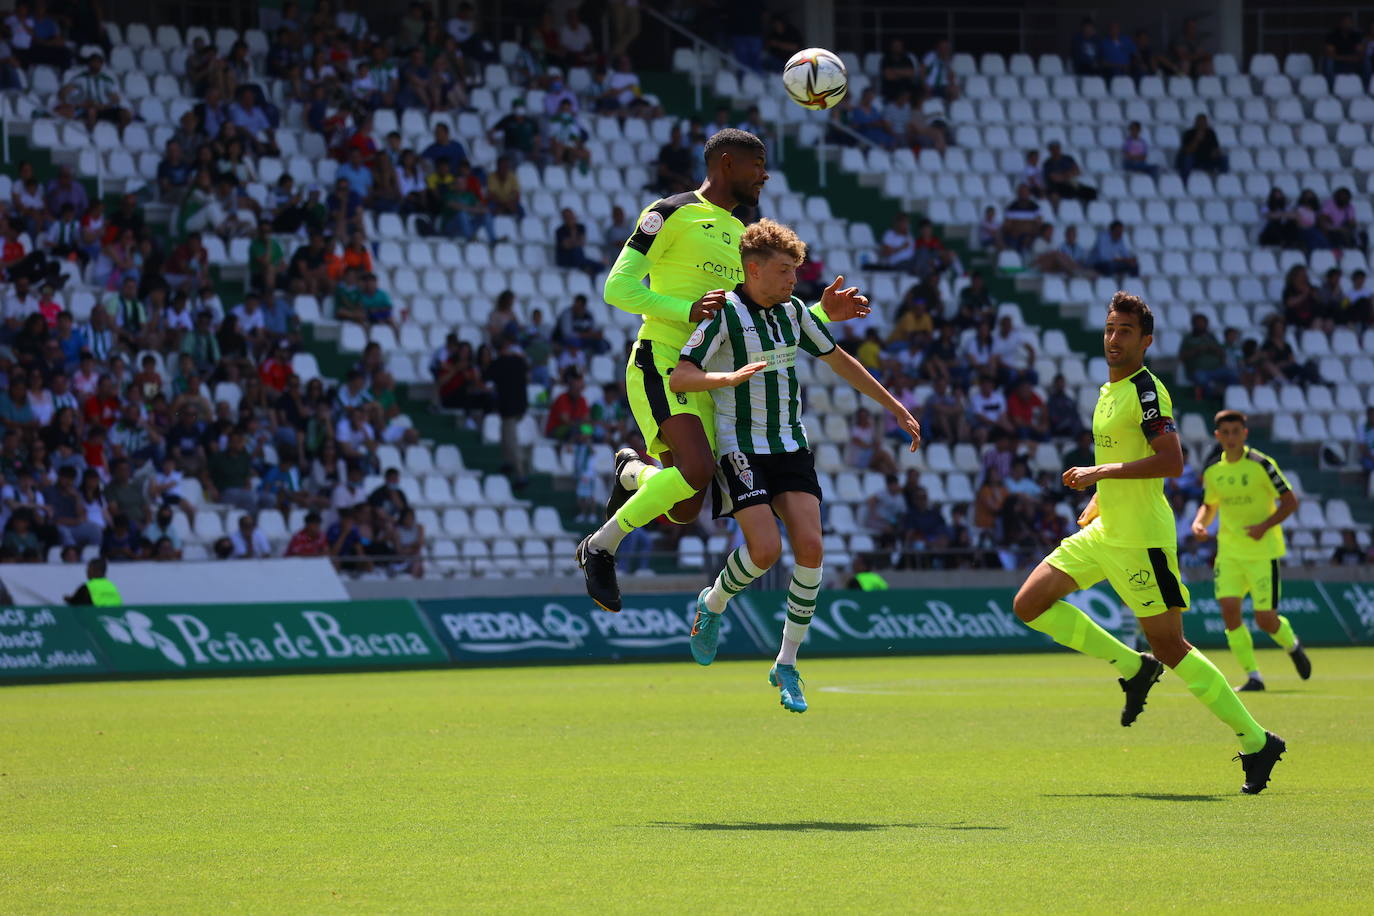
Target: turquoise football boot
x,y
789,684
705,631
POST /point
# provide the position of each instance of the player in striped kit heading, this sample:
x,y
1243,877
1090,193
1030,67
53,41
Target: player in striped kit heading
x,y
745,355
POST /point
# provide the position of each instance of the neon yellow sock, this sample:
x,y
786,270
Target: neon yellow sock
x,y
657,494
1070,627
1210,687
1284,635
1243,648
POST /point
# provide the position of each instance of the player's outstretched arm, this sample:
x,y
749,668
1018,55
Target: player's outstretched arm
x,y
1206,513
688,376
625,290
853,372
840,304
1167,461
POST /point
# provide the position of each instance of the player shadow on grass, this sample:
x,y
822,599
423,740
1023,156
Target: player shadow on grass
x,y
1147,796
805,826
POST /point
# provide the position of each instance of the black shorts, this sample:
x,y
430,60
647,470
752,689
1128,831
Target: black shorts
x,y
744,480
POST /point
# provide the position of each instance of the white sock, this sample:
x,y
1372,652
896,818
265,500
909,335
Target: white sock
x,y
739,571
801,604
608,536
633,475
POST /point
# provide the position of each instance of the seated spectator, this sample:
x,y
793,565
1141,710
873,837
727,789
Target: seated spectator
x,y
1358,296
1085,51
1135,152
519,135
929,255
93,95
1061,177
1032,175
1022,222
1337,219
886,513
1277,361
228,477
623,95
1062,411
568,139
1027,412
464,208
899,71
866,451
990,230
866,118
988,410
503,189
570,239
1199,149
1300,306
388,496
945,414
1112,256
1342,52
673,168
310,540
569,412
460,383
1115,52
1204,360
926,527
248,540
938,71
1143,59
1306,217
1331,300
577,328
444,148
1194,60
1013,353
1280,222
173,172
122,541
898,246
1046,257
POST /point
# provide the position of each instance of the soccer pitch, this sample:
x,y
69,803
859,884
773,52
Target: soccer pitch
x,y
957,784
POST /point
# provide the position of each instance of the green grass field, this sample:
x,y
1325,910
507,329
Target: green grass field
x,y
993,783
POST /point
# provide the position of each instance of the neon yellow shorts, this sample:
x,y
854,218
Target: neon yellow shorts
x,y
1146,578
651,401
1235,578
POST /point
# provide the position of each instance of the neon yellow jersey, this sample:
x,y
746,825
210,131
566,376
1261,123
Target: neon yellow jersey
x,y
1131,413
1245,493
693,247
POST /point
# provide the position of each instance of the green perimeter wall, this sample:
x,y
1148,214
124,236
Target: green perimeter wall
x,y
67,643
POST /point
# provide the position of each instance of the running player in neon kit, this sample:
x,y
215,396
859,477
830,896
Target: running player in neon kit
x,y
745,358
688,246
1246,488
1128,538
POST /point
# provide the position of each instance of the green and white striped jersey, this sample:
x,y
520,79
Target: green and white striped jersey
x,y
763,415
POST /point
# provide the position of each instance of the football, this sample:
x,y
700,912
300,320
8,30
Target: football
x,y
815,78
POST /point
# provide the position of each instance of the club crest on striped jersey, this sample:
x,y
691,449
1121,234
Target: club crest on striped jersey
x,y
697,337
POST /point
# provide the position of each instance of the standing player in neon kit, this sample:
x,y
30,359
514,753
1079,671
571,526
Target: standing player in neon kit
x,y
688,246
1129,538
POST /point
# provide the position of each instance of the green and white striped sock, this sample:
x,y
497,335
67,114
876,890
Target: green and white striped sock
x,y
801,604
739,571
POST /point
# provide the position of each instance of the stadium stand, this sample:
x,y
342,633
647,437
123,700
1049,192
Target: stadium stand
x,y
435,371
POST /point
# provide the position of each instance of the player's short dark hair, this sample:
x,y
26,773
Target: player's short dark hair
x,y
1129,304
1230,416
731,138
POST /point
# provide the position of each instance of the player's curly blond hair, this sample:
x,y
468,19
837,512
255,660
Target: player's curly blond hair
x,y
765,237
